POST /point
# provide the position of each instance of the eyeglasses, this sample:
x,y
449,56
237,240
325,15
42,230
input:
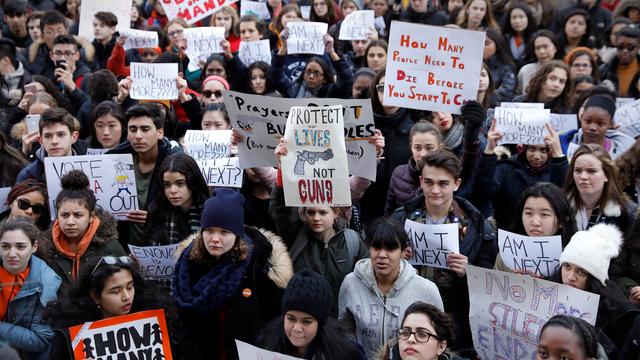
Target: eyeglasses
x,y
421,336
313,73
208,93
581,66
59,54
629,47
112,260
380,87
175,33
36,208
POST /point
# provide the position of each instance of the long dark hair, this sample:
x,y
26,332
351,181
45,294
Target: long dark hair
x,y
543,33
584,40
376,104
12,162
540,78
527,33
326,68
502,50
107,107
261,65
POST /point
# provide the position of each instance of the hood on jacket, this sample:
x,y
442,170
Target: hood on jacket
x,y
364,272
83,43
78,148
624,6
42,278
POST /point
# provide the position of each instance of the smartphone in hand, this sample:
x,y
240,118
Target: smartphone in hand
x,y
33,123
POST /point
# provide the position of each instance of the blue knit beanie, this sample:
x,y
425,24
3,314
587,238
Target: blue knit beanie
x,y
224,209
308,292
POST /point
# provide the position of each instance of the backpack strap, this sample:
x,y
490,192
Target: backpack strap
x,y
353,246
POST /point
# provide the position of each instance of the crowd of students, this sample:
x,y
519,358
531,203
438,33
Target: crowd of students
x,y
317,282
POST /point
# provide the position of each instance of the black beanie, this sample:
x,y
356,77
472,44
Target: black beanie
x,y
224,209
605,102
308,292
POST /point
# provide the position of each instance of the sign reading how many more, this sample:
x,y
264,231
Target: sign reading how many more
x,y
432,67
431,244
120,8
314,171
193,10
508,311
522,126
306,37
212,152
539,255
111,179
154,81
141,335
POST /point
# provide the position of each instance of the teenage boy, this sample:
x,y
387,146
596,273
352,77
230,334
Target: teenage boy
x,y
33,25
13,74
39,61
439,178
15,18
104,27
69,71
149,147
58,137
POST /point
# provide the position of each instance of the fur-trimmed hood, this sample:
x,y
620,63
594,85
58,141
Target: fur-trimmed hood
x,y
85,45
280,265
106,233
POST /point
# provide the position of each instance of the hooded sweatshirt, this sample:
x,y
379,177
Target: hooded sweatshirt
x,y
373,317
620,142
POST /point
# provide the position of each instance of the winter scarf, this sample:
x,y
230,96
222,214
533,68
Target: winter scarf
x,y
453,138
212,289
62,244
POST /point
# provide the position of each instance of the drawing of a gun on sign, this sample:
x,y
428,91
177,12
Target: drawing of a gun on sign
x,y
311,157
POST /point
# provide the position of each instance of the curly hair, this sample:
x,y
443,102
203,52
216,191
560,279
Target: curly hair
x,y
534,89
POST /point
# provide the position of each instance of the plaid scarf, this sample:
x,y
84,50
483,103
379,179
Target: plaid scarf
x,y
180,226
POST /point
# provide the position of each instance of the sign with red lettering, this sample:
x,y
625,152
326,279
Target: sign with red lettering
x,y
193,10
314,171
141,335
432,67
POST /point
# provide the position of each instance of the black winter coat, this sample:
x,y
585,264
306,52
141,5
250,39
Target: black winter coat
x,y
404,186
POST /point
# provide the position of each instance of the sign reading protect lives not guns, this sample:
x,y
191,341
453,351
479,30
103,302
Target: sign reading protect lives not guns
x,y
432,68
314,172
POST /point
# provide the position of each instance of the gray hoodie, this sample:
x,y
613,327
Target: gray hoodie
x,y
372,318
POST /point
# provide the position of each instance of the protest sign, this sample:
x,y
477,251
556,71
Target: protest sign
x,y
202,42
252,51
357,25
432,67
261,121
141,335
193,10
622,101
314,171
120,8
431,244
155,262
628,117
211,151
305,37
381,26
522,126
508,311
154,81
540,255
522,105
111,179
222,172
563,123
250,352
257,8
95,151
139,39
305,10
4,192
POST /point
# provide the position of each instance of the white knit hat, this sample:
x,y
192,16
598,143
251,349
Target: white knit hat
x,y
593,249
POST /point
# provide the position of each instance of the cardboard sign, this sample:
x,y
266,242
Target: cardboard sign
x,y
357,25
257,8
252,51
154,81
628,117
250,352
96,151
111,178
522,126
4,192
262,121
563,122
193,10
141,335
540,255
139,39
432,67
211,151
305,37
508,311
156,262
120,8
314,172
202,42
431,244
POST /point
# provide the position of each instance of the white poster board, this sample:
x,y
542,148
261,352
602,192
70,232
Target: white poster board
x,y
563,123
211,150
139,39
249,352
432,67
628,117
314,171
120,8
156,262
431,244
96,151
252,51
111,178
202,42
508,311
357,25
305,37
522,105
154,81
257,8
193,10
539,255
4,192
522,126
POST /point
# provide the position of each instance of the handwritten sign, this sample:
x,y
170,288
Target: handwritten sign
x,y
222,172
193,10
432,67
154,81
431,244
314,172
540,255
257,8
508,311
4,192
111,179
522,105
622,101
96,151
262,122
305,37
211,151
357,25
522,126
202,42
250,352
563,122
156,262
139,39
134,336
628,117
120,8
252,51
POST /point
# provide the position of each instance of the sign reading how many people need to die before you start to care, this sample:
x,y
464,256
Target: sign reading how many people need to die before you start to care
x,y
141,335
154,81
522,126
306,37
212,152
111,179
120,8
508,311
357,25
155,262
431,244
252,51
139,39
432,67
192,10
539,255
314,171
